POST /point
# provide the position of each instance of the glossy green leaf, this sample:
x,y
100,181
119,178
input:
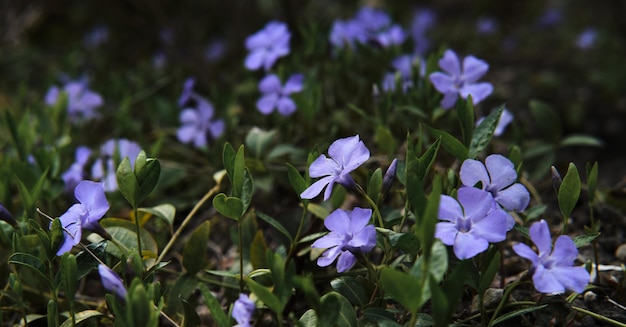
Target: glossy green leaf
x,y
258,141
404,288
375,185
492,264
123,231
148,178
127,183
306,284
85,262
230,207
52,313
484,132
266,296
69,275
407,242
238,172
569,191
190,316
465,111
258,250
592,180
425,229
351,289
82,316
247,190
308,319
228,159
31,262
385,140
56,235
450,143
585,239
195,250
217,313
427,159
336,310
275,223
438,265
295,179
581,140
379,316
165,212
516,313
318,210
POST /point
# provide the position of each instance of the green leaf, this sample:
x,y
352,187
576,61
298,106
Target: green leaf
x,y
336,310
266,296
483,133
592,180
581,140
214,306
124,232
407,242
81,317
516,313
247,190
569,191
465,111
31,262
165,212
297,181
258,250
318,210
69,275
127,183
148,178
375,185
308,319
228,158
85,262
258,140
27,199
351,289
385,140
56,235
425,229
427,159
379,316
492,264
450,143
585,239
230,207
404,288
238,172
535,211
276,224
190,317
438,261
307,286
194,253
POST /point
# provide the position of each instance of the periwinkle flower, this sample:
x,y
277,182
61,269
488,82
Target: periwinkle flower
x,y
276,96
187,92
267,45
105,166
376,26
486,26
76,173
497,176
404,67
243,310
506,117
587,38
553,268
346,33
86,214
460,80
96,37
112,282
198,124
346,155
470,224
81,101
350,234
423,20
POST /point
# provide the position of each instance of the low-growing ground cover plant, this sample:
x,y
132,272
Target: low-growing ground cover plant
x,y
391,187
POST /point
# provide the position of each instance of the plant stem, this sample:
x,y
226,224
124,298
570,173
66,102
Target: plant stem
x,y
239,230
599,317
505,296
136,213
292,246
193,211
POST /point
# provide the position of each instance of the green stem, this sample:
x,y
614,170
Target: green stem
x,y
373,205
599,317
239,230
136,213
293,244
505,296
596,256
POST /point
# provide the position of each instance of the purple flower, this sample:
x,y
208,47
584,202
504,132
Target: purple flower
x,y
404,67
346,155
550,17
112,282
486,26
267,45
198,122
243,310
215,50
86,214
105,167
587,38
423,20
346,32
7,216
376,27
350,234
185,96
460,80
506,117
498,177
96,37
81,101
471,223
277,96
76,173
553,270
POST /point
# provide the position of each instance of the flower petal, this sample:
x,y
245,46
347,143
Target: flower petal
x,y
255,59
450,63
328,256
474,69
442,82
564,252
514,198
294,84
449,100
329,240
359,218
267,103
338,221
286,106
526,252
184,134
364,240
446,232
449,209
476,202
540,234
323,166
479,91
315,188
217,128
467,245
270,84
473,171
501,170
492,227
92,198
545,281
346,261
572,278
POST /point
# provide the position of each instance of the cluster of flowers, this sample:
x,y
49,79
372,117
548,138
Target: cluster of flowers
x,y
369,25
81,101
198,124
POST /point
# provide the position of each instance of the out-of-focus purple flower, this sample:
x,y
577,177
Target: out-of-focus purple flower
x,y
105,166
553,269
498,177
112,282
198,124
81,101
470,224
394,35
96,37
159,59
550,17
347,32
377,27
404,67
267,45
185,96
486,26
7,216
423,20
460,80
389,177
276,96
215,50
243,310
350,234
506,117
86,214
346,155
76,172
587,38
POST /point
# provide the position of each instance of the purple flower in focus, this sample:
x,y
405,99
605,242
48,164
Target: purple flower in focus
x,y
506,117
553,270
498,177
423,20
277,96
587,38
86,214
350,234
267,45
346,155
112,282
471,223
486,26
243,310
105,167
198,122
81,101
460,80
76,173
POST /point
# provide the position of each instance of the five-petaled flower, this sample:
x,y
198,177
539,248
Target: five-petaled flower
x,y
198,123
112,282
86,214
350,234
553,268
346,155
277,96
243,310
76,173
497,177
81,101
470,224
460,80
267,45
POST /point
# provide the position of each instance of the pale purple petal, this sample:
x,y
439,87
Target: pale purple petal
x,y
476,202
186,133
479,91
446,232
315,188
243,310
329,240
474,69
473,171
526,252
52,95
255,59
450,63
112,281
443,83
501,170
286,106
346,261
572,278
449,100
449,209
467,245
200,140
82,155
338,221
564,252
217,128
359,218
514,197
329,189
267,103
365,239
505,119
540,235
257,40
91,196
492,227
294,84
72,228
545,281
340,147
270,84
328,256
323,166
